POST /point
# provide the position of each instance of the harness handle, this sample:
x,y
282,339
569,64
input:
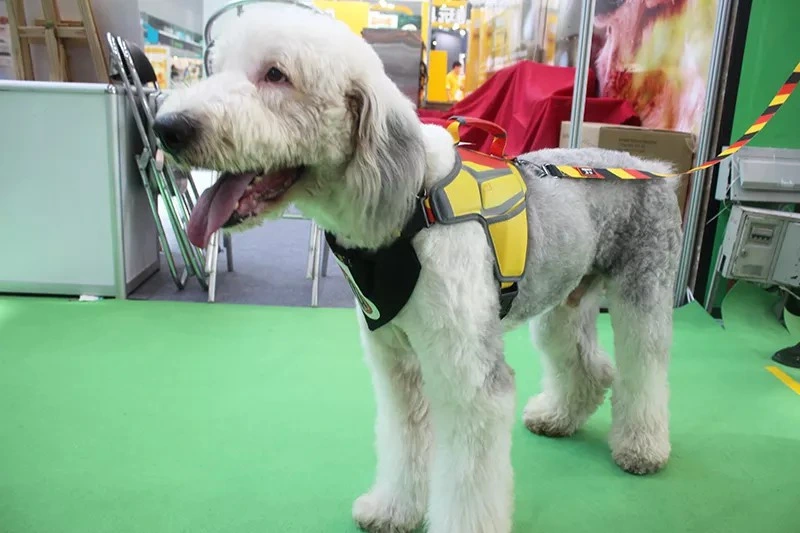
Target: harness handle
x,y
498,147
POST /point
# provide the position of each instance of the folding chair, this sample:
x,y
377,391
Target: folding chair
x,y
176,188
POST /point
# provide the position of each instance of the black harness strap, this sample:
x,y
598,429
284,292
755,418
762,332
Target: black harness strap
x,y
383,280
507,296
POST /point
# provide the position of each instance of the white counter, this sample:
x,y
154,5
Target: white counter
x,y
74,217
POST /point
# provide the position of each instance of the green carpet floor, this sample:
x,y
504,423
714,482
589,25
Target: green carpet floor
x,y
152,417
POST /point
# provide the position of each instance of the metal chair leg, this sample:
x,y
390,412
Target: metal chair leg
x,y
312,245
211,251
227,241
213,248
326,253
317,264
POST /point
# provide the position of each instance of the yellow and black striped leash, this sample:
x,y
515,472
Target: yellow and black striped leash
x,y
564,171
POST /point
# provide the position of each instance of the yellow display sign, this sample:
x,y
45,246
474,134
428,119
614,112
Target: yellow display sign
x,y
437,71
450,3
354,14
160,57
378,19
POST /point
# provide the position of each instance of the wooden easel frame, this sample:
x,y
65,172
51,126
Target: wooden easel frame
x,y
54,32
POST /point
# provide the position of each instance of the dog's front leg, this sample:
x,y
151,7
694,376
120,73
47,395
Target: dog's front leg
x,y
397,501
472,395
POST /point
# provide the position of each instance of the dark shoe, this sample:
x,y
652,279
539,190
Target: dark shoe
x,y
788,356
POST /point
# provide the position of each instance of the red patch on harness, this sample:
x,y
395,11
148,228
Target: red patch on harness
x,y
478,158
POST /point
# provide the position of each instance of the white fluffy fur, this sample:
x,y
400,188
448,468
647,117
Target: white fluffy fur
x,y
444,393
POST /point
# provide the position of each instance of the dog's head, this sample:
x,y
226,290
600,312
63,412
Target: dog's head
x,y
298,111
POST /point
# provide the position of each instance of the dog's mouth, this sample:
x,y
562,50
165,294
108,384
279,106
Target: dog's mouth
x,y
236,198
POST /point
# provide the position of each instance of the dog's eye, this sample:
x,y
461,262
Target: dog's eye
x,y
274,75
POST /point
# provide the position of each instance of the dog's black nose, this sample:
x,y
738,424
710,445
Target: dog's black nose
x,y
176,131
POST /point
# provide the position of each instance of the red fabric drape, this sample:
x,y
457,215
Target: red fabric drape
x,y
530,100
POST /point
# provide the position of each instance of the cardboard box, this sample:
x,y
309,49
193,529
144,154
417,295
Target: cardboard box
x,y
673,146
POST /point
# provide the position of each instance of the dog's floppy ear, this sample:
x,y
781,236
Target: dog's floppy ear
x,y
366,107
389,153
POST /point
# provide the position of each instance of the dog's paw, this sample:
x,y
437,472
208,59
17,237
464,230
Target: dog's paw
x,y
543,418
375,513
641,456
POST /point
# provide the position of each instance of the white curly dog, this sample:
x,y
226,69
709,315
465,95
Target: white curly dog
x,y
300,111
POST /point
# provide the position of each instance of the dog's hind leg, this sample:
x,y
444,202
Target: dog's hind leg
x,y
641,314
576,371
398,499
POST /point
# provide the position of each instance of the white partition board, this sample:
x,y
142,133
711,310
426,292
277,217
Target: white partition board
x,y
58,207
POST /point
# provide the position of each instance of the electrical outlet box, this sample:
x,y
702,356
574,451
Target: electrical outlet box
x,y
765,175
762,245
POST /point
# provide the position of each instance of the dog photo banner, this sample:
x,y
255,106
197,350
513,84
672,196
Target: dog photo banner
x,y
656,54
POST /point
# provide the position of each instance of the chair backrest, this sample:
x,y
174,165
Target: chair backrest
x,y
143,66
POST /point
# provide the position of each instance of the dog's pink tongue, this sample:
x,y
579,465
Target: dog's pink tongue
x,y
215,206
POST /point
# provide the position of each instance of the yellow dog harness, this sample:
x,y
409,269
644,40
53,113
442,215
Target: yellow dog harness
x,y
490,190
485,188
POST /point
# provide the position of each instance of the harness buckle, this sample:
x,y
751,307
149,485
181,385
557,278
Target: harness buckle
x,y
427,213
549,170
421,218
